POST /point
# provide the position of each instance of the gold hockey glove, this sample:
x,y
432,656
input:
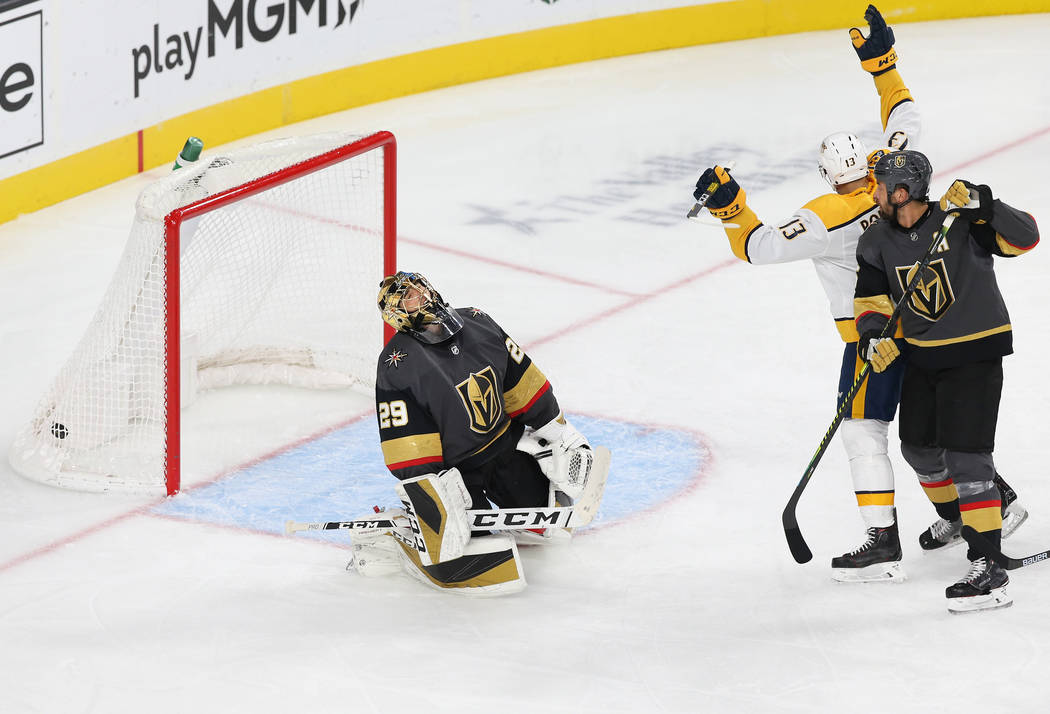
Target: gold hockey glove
x,y
880,352
971,202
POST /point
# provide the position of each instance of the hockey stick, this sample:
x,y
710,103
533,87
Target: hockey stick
x,y
706,195
980,543
799,549
504,519
579,514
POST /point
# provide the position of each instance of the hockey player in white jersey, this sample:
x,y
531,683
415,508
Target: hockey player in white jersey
x,y
826,230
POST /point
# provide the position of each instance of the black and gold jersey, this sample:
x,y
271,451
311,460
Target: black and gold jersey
x,y
956,314
457,403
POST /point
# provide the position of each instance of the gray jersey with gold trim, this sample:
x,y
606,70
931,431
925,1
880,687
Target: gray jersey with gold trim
x,y
459,402
956,314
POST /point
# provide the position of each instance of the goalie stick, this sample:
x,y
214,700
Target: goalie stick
x,y
706,195
799,549
579,514
980,543
504,519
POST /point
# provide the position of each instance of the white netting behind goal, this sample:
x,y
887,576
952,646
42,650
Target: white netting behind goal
x,y
277,286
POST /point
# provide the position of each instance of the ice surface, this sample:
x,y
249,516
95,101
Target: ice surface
x,y
555,201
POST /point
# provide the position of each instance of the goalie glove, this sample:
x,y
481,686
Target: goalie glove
x,y
436,507
563,455
973,203
875,51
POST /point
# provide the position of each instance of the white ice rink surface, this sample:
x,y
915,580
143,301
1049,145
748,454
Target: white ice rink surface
x,y
556,201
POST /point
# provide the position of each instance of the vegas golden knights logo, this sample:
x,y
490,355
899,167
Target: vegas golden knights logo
x,y
933,293
481,397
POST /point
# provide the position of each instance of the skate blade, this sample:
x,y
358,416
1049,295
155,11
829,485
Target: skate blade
x,y
1016,514
957,540
994,600
877,573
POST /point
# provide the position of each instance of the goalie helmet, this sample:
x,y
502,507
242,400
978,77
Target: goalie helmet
x,y
410,304
842,159
907,168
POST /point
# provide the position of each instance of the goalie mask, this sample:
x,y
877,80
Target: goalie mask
x,y
842,159
410,304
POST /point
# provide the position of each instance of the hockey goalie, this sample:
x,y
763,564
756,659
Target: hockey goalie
x,y
466,419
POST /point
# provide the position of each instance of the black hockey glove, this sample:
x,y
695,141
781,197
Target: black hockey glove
x,y
727,200
876,50
971,202
880,352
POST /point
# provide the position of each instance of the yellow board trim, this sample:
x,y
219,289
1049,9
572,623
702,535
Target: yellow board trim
x,y
458,64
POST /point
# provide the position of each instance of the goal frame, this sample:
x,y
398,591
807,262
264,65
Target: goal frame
x,y
380,141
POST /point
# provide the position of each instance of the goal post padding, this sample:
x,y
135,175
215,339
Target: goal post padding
x,y
272,255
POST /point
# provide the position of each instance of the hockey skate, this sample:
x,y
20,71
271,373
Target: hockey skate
x,y
1014,514
877,559
942,533
982,588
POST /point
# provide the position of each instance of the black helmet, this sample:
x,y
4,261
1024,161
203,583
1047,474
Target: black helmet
x,y
907,168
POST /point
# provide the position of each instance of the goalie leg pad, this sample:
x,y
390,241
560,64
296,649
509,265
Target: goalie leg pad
x,y
489,566
436,507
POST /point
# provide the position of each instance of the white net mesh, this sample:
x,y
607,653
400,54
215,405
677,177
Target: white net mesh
x,y
278,287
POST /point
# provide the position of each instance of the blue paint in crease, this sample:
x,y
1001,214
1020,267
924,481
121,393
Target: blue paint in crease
x,y
341,475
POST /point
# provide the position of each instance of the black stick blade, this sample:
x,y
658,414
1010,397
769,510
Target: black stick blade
x,y
799,550
979,543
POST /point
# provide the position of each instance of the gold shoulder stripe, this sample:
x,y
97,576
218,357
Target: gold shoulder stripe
x,y
1009,248
522,395
412,450
836,211
965,338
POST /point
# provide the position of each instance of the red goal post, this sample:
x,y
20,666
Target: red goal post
x,y
272,255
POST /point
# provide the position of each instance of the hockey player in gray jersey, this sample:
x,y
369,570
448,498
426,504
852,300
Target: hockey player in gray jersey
x,y
957,330
465,418
826,230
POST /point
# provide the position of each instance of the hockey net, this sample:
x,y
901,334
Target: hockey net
x,y
256,266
